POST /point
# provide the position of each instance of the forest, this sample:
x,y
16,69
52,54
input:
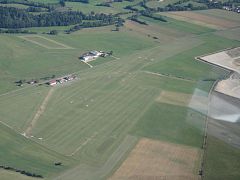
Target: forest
x,y
19,18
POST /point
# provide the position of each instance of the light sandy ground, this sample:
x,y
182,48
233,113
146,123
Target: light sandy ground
x,y
39,112
230,86
201,19
60,45
228,59
157,160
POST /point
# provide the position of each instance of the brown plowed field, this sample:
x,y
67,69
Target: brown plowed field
x,y
157,160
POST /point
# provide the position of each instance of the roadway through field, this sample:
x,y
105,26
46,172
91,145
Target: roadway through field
x,y
39,112
169,76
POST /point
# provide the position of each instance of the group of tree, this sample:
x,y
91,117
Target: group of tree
x,y
20,18
105,4
219,4
62,2
21,171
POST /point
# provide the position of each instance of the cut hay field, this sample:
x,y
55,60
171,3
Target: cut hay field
x,y
96,124
210,19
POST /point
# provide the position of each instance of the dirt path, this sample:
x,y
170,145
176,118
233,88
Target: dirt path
x,y
39,112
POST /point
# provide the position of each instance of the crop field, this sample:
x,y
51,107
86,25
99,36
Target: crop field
x,y
159,160
126,115
207,19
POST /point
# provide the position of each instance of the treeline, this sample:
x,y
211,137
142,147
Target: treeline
x,y
82,1
153,16
16,31
49,6
219,4
88,24
21,171
135,19
19,18
170,7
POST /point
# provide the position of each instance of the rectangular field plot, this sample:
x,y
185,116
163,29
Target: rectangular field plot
x,y
152,159
45,42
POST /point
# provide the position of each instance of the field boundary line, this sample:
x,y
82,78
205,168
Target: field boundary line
x,y
83,144
5,124
47,39
169,76
38,114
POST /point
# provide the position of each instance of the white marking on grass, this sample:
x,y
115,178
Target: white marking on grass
x,y
87,64
61,45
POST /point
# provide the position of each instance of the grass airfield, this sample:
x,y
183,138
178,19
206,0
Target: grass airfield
x,y
92,124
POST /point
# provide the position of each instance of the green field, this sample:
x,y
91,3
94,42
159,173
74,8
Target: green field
x,y
92,123
222,160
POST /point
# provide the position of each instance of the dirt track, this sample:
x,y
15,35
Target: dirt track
x,y
158,160
39,112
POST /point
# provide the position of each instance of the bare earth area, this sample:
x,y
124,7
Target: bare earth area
x,y
201,19
230,86
157,160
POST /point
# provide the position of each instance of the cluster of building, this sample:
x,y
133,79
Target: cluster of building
x,y
61,80
232,8
92,55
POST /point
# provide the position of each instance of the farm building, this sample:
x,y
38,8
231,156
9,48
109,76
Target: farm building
x,y
92,55
62,80
52,83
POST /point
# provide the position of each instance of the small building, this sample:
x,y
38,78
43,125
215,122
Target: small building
x,y
87,58
52,83
92,55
